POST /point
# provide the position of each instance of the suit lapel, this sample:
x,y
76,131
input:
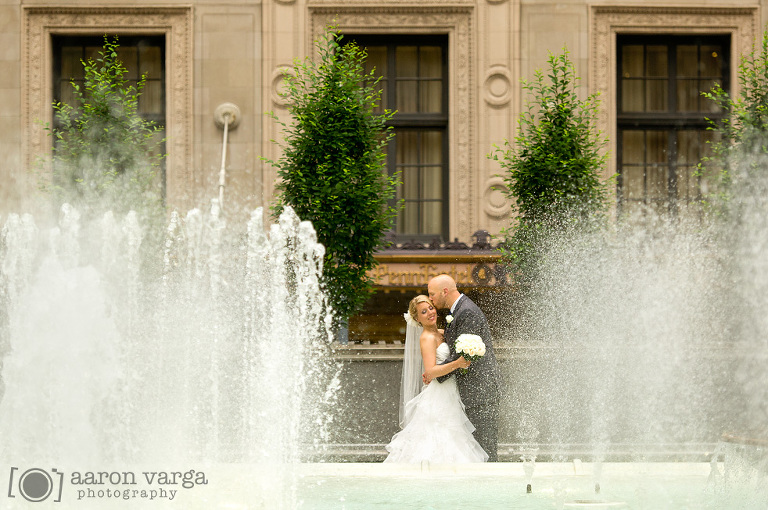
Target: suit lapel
x,y
451,331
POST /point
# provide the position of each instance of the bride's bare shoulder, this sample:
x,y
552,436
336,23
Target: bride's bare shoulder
x,y
431,335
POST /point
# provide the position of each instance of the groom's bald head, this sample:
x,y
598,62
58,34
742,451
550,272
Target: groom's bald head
x,y
442,291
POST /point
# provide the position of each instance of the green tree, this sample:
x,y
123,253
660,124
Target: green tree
x,y
332,167
105,155
553,168
742,146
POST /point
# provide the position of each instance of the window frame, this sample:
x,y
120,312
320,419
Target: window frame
x,y
415,121
669,121
58,41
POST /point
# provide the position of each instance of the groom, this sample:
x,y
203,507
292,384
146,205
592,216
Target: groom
x,y
479,387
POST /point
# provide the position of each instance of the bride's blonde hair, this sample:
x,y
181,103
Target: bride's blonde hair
x,y
421,298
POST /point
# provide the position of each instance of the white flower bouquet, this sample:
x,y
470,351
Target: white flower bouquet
x,y
470,347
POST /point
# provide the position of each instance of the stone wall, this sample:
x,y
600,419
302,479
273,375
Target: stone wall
x,y
556,405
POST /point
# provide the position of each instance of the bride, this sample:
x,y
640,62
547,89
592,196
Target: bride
x,y
434,425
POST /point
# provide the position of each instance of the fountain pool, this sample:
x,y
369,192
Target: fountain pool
x,y
354,486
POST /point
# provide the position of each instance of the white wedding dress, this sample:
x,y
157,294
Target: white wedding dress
x,y
436,428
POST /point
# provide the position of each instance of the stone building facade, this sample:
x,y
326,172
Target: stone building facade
x,y
474,51
217,52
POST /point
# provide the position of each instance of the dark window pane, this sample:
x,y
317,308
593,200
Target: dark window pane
x,y
687,61
656,145
431,97
432,217
706,105
688,93
632,95
711,61
633,147
151,63
151,101
431,62
71,68
407,58
377,62
657,182
632,61
92,52
656,62
408,220
407,96
432,151
433,183
633,187
658,95
688,147
129,55
407,148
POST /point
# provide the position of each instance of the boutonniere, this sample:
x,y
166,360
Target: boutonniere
x,y
448,319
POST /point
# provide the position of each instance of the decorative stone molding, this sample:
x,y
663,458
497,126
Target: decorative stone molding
x,y
367,4
40,23
498,86
278,80
608,21
456,20
495,203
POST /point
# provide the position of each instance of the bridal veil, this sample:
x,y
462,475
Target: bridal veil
x,y
413,366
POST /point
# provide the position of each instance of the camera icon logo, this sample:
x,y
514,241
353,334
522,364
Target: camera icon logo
x,y
35,484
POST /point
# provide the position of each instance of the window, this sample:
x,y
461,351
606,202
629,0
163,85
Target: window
x,y
662,117
414,82
139,54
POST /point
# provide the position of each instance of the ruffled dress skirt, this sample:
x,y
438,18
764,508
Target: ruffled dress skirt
x,y
436,430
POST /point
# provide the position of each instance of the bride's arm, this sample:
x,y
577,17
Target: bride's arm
x,y
429,356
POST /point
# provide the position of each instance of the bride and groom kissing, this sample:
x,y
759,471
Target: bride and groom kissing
x,y
454,418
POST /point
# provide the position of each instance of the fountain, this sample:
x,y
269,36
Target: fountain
x,y
208,365
214,352
204,361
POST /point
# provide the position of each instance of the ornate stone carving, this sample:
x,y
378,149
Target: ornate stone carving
x,y
278,79
498,86
456,20
340,5
174,22
607,21
495,203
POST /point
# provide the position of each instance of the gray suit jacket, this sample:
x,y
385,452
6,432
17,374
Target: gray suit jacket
x,y
480,385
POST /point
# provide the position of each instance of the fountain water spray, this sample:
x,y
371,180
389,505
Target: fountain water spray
x,y
211,348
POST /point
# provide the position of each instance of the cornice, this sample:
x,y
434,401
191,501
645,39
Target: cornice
x,y
380,8
672,10
106,9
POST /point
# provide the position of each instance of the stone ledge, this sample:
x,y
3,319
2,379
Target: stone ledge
x,y
512,452
381,350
